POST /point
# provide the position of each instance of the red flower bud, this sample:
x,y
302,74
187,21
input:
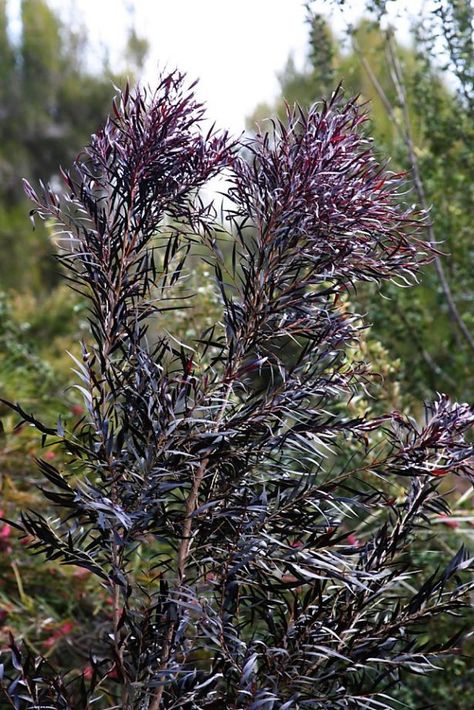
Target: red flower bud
x,y
5,531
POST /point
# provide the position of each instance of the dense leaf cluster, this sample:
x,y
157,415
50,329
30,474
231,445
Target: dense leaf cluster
x,y
213,486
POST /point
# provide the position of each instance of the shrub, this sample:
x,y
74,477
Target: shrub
x,y
253,538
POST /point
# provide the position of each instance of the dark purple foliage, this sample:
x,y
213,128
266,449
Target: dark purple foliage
x,y
232,477
321,199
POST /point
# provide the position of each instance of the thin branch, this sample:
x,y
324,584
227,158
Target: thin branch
x,y
397,76
405,133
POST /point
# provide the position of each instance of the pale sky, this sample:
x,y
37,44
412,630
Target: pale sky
x,y
235,47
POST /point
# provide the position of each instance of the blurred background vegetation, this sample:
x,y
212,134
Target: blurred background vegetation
x,y
421,98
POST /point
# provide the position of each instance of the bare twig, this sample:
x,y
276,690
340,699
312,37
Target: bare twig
x,y
404,130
